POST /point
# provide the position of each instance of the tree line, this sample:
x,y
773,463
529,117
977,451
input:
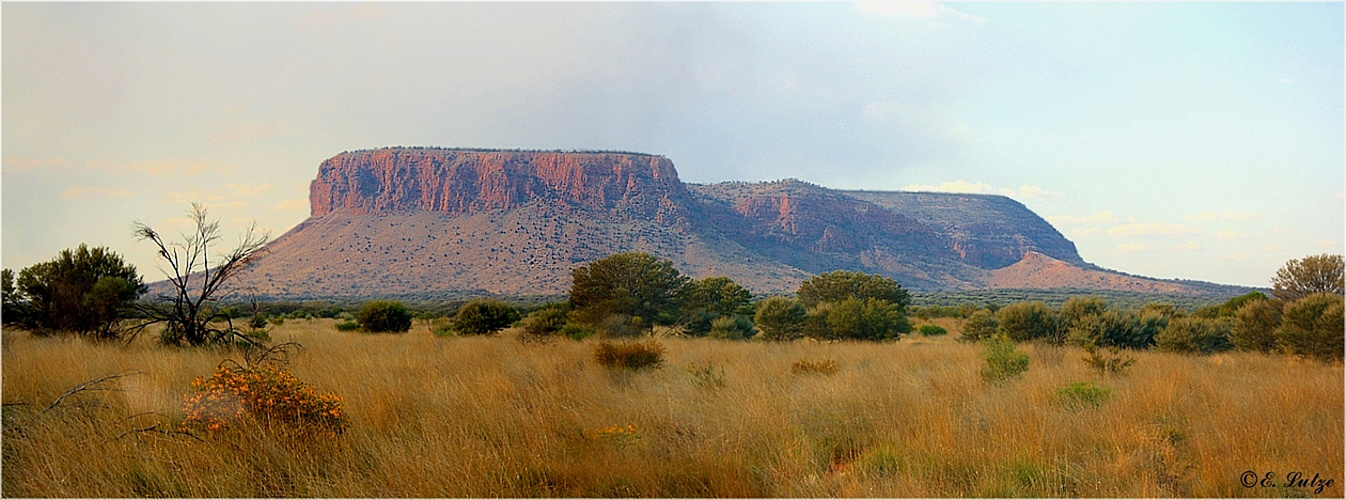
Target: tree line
x,y
92,292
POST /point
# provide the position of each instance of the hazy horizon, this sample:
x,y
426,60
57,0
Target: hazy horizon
x,y
1197,140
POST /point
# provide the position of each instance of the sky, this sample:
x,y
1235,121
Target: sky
x,y
1174,140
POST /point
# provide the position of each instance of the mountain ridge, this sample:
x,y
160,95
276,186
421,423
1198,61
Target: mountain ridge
x,y
398,221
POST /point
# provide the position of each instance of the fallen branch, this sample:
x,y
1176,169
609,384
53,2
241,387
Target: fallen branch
x,y
90,386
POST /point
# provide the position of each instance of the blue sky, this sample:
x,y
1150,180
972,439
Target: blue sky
x,y
1193,140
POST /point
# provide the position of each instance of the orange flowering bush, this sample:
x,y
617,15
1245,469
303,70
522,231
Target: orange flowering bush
x,y
266,395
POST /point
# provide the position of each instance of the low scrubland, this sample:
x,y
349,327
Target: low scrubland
x,y
427,415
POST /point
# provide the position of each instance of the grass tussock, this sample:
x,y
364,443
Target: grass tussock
x,y
489,416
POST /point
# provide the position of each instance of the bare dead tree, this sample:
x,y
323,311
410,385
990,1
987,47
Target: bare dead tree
x,y
187,312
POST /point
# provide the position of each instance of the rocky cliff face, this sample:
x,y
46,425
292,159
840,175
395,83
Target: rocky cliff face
x,y
454,182
448,222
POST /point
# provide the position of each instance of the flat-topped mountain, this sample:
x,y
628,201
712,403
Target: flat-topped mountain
x,y
434,222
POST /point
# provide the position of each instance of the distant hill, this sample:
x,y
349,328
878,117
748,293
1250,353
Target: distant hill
x,y
435,222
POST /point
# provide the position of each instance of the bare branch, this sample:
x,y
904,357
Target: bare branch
x,y
92,385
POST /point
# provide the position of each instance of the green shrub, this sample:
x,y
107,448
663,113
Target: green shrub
x,y
1110,362
484,317
384,316
838,286
576,332
707,376
1082,395
442,327
1111,328
1312,326
815,322
630,355
710,298
262,335
347,326
866,319
979,326
278,321
1076,309
545,321
1026,321
1255,326
780,318
1196,334
1003,361
632,284
822,366
932,330
83,291
735,327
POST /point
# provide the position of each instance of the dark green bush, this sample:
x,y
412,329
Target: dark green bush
x,y
1026,321
1003,361
442,327
780,318
710,298
1195,334
1255,326
838,286
932,330
632,284
630,355
1077,309
735,327
866,319
484,317
86,291
347,326
979,326
384,316
1082,395
545,321
577,332
1312,326
1107,362
1108,329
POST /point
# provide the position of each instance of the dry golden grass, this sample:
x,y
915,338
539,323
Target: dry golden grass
x,y
495,417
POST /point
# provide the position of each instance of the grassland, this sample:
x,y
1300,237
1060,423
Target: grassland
x,y
496,417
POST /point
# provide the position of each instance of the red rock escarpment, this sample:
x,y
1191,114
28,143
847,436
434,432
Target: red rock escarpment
x,y
456,182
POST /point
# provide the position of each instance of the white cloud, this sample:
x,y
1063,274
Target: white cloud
x,y
32,164
292,205
1230,234
249,133
1097,218
1134,247
244,190
1235,257
1036,193
1151,229
1190,246
1273,249
161,168
79,192
915,8
1025,192
1229,215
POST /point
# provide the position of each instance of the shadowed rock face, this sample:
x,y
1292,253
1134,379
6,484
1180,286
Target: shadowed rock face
x,y
438,222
